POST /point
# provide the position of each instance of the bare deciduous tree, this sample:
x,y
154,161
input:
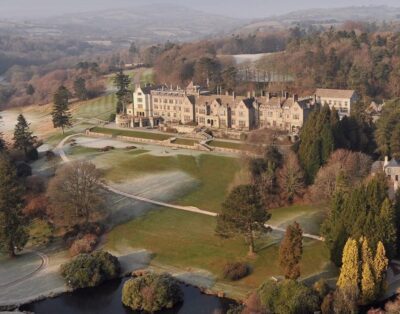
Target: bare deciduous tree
x,y
291,178
75,192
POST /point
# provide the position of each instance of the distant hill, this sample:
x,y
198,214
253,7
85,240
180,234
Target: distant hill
x,y
149,23
330,16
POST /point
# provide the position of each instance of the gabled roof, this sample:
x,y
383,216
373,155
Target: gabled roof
x,y
334,93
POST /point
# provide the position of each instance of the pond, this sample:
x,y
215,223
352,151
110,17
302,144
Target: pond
x,y
107,299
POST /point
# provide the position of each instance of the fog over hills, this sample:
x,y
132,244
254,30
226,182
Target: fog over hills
x,y
177,20
233,8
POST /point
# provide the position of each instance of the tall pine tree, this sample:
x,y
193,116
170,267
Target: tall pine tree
x,y
23,138
60,114
349,273
13,233
122,83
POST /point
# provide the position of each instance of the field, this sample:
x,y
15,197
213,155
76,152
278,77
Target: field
x,y
210,176
99,108
188,240
185,141
129,133
231,145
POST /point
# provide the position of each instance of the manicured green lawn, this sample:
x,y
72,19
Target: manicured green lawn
x,y
231,145
310,217
81,150
130,133
185,141
184,239
99,108
214,174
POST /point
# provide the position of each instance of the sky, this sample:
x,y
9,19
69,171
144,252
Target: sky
x,y
233,8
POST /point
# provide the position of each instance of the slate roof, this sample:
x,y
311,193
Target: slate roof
x,y
334,93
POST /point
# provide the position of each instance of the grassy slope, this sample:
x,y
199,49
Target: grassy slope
x,y
130,133
227,145
214,173
99,108
188,240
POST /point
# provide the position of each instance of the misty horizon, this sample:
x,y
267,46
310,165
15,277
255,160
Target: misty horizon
x,y
251,9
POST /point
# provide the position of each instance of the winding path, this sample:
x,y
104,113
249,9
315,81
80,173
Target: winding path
x,y
61,153
44,262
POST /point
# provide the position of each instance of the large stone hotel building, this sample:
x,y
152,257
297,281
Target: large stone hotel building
x,y
156,105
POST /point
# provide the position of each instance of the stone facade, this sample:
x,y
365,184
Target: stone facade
x,y
340,99
283,112
155,105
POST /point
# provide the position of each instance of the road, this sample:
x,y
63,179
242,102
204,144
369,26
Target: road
x,y
43,265
60,151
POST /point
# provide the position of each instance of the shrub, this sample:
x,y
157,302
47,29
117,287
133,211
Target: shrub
x,y
288,297
23,170
112,117
151,293
236,271
84,245
36,205
35,184
32,154
90,270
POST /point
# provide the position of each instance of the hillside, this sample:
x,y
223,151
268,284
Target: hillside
x,y
148,23
325,17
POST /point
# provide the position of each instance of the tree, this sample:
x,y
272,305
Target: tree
x,y
368,288
291,177
288,297
243,213
13,233
90,270
380,267
290,251
349,273
23,138
122,83
30,90
80,89
60,114
151,293
75,192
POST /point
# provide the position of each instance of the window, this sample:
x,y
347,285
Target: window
x,y
241,114
261,113
171,101
296,117
165,101
270,113
155,99
202,120
233,121
139,99
187,110
242,124
155,107
140,106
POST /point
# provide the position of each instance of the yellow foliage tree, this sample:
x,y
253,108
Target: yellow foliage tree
x,y
368,285
381,264
349,273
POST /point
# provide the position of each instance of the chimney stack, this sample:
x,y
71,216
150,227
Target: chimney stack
x,y
286,95
386,162
295,97
248,94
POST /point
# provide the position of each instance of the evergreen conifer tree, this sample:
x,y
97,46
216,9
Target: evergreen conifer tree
x,y
380,266
60,114
349,274
13,234
23,138
290,251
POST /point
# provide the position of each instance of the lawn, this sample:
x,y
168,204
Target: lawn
x,y
82,150
310,217
99,108
147,77
214,174
184,240
130,133
231,145
185,141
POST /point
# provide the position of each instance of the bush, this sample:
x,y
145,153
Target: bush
x,y
23,170
32,154
112,117
288,297
90,270
84,245
235,271
151,293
